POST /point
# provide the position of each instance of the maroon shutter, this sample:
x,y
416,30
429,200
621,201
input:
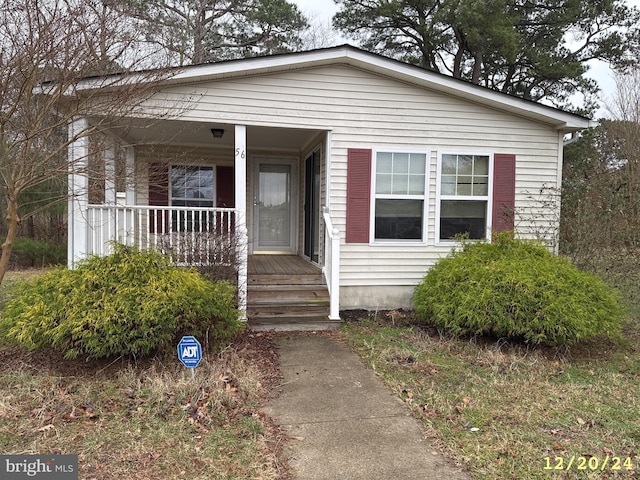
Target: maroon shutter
x,y
504,191
225,198
358,195
158,195
158,184
225,187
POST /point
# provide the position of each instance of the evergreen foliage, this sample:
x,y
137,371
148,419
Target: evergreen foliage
x,y
130,303
517,289
519,48
28,252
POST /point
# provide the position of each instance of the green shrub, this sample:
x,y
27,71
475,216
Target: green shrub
x,y
130,303
517,289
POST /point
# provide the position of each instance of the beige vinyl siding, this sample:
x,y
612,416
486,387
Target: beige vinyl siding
x,y
365,110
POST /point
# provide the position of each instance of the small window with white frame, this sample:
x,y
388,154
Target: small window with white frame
x,y
192,186
400,196
463,196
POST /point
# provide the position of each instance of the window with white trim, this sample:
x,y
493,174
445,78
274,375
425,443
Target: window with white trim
x,y
191,186
464,196
400,196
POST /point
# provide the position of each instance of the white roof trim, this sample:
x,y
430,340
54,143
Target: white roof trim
x,y
348,55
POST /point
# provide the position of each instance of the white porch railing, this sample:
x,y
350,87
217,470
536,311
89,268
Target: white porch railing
x,y
331,269
191,235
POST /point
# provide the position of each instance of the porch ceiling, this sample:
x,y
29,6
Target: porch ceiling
x,y
175,132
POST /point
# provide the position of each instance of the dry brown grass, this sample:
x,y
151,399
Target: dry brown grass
x,y
528,404
147,420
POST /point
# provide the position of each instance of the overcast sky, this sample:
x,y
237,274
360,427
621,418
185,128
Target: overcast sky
x,y
323,10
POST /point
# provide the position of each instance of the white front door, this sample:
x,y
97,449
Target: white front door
x,y
274,206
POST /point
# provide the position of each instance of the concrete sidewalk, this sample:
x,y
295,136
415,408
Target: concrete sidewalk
x,y
345,422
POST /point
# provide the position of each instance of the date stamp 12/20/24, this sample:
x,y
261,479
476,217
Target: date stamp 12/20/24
x,y
591,464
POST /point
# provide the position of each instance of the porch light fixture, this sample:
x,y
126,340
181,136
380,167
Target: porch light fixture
x,y
217,132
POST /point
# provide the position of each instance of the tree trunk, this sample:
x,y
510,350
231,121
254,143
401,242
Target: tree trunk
x,y
13,221
457,63
198,37
459,56
477,68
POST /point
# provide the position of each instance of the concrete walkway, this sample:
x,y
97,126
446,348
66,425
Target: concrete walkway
x,y
345,422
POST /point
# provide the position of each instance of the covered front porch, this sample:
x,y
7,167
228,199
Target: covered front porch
x,y
212,194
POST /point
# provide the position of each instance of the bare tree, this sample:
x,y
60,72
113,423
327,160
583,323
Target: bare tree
x,y
319,34
625,139
48,48
601,179
202,31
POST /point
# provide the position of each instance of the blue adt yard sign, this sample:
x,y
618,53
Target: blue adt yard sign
x,y
189,351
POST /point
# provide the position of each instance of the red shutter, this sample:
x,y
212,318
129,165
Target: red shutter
x,y
358,195
225,197
158,195
225,187
158,184
504,191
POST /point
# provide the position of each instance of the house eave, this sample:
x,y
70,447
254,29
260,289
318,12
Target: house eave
x,y
562,121
347,55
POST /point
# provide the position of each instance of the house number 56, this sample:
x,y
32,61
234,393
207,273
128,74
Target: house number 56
x,y
240,153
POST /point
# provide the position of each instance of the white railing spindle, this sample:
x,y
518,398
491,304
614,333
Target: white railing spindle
x,y
190,234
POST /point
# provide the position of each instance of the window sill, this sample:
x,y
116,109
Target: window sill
x,y
398,243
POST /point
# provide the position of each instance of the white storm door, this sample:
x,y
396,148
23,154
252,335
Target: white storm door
x,y
274,206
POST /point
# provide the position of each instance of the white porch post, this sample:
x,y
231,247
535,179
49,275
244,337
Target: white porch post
x,y
110,193
332,240
77,155
110,172
130,175
241,216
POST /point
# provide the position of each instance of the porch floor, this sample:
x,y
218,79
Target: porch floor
x,y
280,265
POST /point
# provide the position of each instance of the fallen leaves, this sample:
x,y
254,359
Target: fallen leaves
x,y
82,412
148,458
140,408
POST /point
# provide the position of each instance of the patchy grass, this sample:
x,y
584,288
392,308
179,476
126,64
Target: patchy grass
x,y
533,407
529,405
144,420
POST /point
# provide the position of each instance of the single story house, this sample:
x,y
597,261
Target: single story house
x,y
341,176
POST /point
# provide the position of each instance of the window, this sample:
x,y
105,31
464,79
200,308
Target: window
x,y
191,186
464,196
399,196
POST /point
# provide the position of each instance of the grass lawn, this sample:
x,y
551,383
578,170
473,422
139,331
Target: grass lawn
x,y
511,411
505,411
144,420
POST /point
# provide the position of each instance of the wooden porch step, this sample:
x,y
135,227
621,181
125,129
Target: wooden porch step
x,y
290,309
286,293
277,294
284,279
293,324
